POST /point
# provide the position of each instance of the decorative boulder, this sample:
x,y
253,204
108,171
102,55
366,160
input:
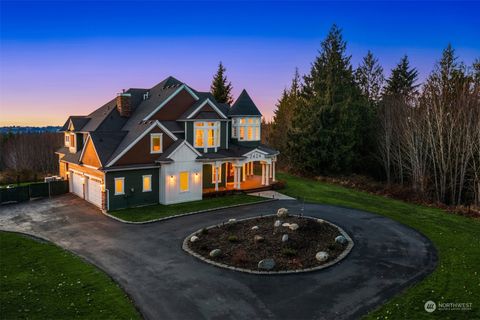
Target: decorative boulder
x,y
340,239
232,220
258,238
215,253
293,226
277,223
194,238
286,224
320,221
285,238
255,228
282,213
321,256
266,264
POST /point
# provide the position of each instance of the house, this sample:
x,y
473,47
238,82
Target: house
x,y
167,144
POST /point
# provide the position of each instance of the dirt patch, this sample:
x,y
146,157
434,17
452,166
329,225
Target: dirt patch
x,y
240,249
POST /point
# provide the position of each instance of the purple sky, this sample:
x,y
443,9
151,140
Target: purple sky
x,y
74,61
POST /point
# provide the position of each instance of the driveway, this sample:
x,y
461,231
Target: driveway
x,y
167,283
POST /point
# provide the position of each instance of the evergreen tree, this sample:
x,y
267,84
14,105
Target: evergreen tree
x,y
221,88
327,133
369,78
402,80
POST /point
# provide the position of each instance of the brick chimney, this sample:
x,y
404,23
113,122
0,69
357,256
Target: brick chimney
x,y
124,104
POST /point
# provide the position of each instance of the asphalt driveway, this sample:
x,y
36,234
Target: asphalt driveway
x,y
167,283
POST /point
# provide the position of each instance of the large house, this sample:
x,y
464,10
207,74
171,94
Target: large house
x,y
167,144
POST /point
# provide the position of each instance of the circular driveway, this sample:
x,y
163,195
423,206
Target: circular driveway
x,y
167,283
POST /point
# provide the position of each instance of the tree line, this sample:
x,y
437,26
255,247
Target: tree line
x,y
28,156
338,119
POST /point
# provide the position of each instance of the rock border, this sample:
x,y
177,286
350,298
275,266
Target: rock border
x,y
187,213
347,250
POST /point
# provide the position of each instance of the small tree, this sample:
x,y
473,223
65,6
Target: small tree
x,y
221,88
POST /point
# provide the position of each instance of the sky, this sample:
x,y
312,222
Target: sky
x,y
69,58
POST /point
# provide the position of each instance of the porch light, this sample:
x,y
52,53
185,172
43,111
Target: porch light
x,y
172,179
83,180
102,187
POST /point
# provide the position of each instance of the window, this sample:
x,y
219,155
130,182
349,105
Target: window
x,y
119,186
156,145
184,175
214,170
246,129
67,139
147,183
207,134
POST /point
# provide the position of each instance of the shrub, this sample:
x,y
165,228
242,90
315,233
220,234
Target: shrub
x,y
239,256
289,252
232,238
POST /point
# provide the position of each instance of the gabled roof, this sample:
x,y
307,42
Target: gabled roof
x,y
197,106
165,157
105,143
244,106
77,122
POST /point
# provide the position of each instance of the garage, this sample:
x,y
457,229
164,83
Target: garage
x,y
77,185
94,191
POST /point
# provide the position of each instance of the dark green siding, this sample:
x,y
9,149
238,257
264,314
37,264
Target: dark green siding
x,y
207,176
133,179
189,133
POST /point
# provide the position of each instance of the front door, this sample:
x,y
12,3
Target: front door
x,y
230,172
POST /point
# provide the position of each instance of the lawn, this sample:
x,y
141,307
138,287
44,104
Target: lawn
x,y
39,280
457,239
158,211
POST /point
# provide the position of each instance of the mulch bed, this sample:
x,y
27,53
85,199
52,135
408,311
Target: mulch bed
x,y
236,242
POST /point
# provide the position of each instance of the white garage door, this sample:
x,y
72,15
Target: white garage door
x,y
94,192
77,186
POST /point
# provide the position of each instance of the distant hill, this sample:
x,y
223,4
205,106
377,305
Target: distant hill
x,y
19,129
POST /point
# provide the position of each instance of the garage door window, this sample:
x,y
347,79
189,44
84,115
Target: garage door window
x,y
119,186
147,183
184,181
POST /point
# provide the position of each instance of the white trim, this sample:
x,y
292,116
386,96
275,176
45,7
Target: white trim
x,y
219,173
220,113
153,136
115,186
88,166
217,134
83,151
93,177
143,182
124,169
188,145
256,149
71,125
156,123
226,135
183,86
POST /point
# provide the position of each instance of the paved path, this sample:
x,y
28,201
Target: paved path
x,y
271,195
167,283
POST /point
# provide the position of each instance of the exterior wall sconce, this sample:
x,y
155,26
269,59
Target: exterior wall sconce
x,y
172,179
102,187
83,180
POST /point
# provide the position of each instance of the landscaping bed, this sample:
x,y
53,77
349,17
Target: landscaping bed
x,y
264,244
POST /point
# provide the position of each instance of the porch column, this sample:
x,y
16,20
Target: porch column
x,y
235,177
251,168
267,177
244,171
273,171
270,172
239,169
263,174
216,177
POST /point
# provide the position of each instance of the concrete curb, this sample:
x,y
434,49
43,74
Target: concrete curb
x,y
186,214
347,250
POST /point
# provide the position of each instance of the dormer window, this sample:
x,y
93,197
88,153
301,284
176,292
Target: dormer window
x,y
67,139
156,143
246,128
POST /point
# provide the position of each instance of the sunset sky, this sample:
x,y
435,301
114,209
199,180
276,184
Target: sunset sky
x,y
69,58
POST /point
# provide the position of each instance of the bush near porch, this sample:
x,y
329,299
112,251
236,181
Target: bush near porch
x,y
158,211
41,281
456,238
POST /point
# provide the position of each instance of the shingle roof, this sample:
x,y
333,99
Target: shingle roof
x,y
106,143
77,121
244,106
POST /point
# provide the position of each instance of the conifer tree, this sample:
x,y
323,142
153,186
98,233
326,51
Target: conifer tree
x,y
369,77
221,88
402,80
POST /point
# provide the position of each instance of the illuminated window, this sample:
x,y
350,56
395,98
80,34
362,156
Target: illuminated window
x,y
147,183
214,171
119,186
211,134
67,139
207,134
156,143
199,138
184,175
246,129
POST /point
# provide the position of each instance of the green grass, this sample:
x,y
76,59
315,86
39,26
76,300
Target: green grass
x,y
456,238
161,211
39,280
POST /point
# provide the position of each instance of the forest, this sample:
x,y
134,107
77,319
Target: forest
x,y
338,120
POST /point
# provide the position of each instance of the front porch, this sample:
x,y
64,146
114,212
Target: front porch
x,y
252,183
